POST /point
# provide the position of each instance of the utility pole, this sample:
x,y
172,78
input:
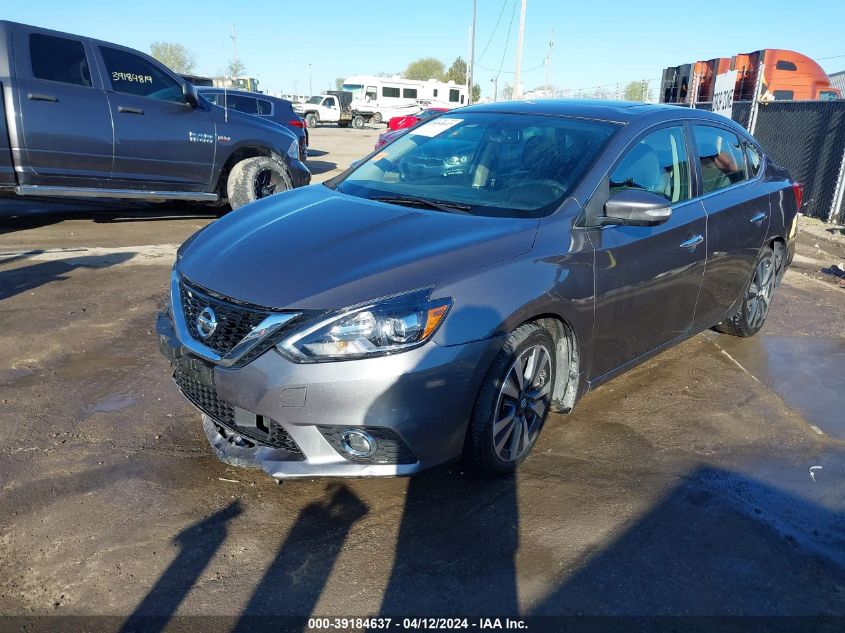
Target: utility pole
x,y
517,89
234,37
548,61
495,81
471,67
310,86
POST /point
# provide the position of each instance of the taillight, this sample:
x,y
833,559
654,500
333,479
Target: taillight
x,y
798,191
297,123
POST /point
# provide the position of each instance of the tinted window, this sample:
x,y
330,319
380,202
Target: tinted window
x,y
211,96
453,95
492,164
722,162
658,163
59,59
265,108
409,93
754,159
389,92
435,92
784,65
783,95
135,75
240,103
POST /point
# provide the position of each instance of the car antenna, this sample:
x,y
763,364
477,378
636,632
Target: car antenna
x,y
225,104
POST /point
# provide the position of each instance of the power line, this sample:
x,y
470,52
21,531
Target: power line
x,y
507,42
490,41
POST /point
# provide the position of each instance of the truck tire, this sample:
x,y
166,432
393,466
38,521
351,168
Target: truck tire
x,y
358,122
256,178
377,119
312,119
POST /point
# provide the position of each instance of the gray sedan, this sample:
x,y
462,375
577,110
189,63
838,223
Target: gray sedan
x,y
440,298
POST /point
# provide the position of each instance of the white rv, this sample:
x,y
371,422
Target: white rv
x,y
386,97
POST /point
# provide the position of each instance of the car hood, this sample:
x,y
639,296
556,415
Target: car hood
x,y
315,248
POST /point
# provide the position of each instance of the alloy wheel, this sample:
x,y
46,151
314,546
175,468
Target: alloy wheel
x,y
522,403
760,293
266,182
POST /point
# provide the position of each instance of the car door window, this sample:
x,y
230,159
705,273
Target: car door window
x,y
135,75
211,96
720,153
329,103
240,103
59,59
754,160
657,163
264,107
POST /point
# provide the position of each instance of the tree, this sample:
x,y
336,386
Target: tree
x,y
175,56
457,71
636,90
236,68
426,68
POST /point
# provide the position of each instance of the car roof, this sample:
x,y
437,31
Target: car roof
x,y
616,111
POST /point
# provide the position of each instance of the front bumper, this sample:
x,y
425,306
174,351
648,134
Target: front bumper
x,y
300,175
424,397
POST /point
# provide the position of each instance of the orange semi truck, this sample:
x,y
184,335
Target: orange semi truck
x,y
787,76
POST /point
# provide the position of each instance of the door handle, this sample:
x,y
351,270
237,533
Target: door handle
x,y
758,219
35,96
129,110
692,242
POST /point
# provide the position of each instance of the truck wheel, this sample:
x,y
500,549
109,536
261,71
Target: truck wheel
x,y
358,122
312,119
256,178
377,118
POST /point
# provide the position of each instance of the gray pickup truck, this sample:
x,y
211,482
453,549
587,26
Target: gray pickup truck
x,y
85,118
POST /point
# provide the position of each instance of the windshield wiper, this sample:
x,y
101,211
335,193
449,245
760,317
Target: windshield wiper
x,y
413,201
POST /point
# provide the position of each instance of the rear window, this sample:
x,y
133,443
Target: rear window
x,y
59,59
722,161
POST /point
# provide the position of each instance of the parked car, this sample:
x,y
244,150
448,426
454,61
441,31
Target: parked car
x,y
410,120
387,137
490,266
269,108
85,118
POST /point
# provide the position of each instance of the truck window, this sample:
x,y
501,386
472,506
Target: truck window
x,y
409,93
390,92
329,102
59,59
248,105
211,96
135,75
784,95
454,95
785,65
371,94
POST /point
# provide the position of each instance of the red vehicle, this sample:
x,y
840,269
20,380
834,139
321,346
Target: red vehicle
x,y
410,120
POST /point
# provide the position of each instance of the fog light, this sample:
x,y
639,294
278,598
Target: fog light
x,y
358,443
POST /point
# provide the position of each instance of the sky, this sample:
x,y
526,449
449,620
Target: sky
x,y
293,45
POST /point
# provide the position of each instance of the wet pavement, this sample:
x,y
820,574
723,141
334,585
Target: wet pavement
x,y
708,481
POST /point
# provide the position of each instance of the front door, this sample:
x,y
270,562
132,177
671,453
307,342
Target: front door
x,y
66,127
648,278
160,141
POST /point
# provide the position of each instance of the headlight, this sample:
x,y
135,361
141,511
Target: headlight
x,y
381,328
293,150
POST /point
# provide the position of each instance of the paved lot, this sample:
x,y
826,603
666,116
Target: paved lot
x,y
683,487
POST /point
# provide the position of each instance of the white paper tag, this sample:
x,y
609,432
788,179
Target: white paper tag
x,y
435,127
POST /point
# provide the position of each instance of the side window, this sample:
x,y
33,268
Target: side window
x,y
242,104
211,96
658,163
435,92
389,92
371,94
59,59
722,162
135,75
265,107
754,160
453,96
329,103
409,93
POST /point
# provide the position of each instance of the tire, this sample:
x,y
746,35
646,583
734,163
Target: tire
x,y
256,178
757,297
358,122
377,118
490,446
311,119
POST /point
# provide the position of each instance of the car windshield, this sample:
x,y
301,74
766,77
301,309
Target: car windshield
x,y
506,165
317,99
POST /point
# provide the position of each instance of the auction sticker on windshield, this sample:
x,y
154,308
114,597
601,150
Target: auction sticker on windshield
x,y
435,127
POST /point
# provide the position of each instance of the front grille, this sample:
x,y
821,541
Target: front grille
x,y
267,432
234,321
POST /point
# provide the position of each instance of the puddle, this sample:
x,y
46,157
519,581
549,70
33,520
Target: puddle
x,y
113,402
808,372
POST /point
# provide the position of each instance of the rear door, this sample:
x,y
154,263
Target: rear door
x,y
738,210
160,141
66,127
648,278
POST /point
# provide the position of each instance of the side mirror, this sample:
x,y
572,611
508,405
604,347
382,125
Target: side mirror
x,y
189,92
636,207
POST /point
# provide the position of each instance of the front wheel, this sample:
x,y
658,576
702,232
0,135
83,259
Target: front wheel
x,y
256,178
754,307
312,120
513,402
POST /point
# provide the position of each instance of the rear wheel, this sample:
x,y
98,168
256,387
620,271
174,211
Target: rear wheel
x,y
358,122
754,307
377,118
312,119
256,178
513,402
